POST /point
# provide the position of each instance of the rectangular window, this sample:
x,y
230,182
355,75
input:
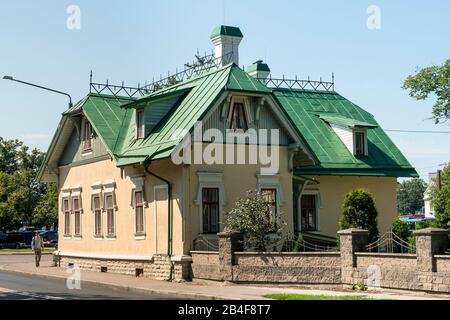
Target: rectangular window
x,y
360,143
238,117
77,215
210,210
66,211
140,124
139,212
308,213
110,215
96,206
270,197
87,137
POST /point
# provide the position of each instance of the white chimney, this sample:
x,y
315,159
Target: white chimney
x,y
259,70
226,42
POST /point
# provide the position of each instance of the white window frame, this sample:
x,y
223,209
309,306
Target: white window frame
x,y
319,206
66,196
89,151
247,110
140,111
76,194
109,190
363,131
209,179
271,181
97,192
139,186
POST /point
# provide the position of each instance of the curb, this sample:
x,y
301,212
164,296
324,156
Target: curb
x,y
202,296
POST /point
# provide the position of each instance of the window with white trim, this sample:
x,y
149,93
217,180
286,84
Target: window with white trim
x,y
210,210
110,215
139,124
270,188
211,200
269,196
97,210
87,136
360,138
66,213
139,212
76,208
238,117
308,212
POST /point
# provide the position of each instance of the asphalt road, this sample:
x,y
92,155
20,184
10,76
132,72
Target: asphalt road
x,y
20,287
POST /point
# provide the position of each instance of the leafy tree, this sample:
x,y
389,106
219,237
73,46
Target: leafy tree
x,y
359,211
432,80
46,211
19,190
441,199
410,195
252,217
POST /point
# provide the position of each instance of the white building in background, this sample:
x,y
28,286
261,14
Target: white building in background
x,y
429,210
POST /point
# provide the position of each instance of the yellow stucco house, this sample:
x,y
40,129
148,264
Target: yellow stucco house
x,y
146,174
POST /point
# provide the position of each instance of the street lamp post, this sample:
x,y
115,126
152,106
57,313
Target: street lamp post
x,y
40,87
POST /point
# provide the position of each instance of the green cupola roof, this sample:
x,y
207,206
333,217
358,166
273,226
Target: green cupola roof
x,y
226,31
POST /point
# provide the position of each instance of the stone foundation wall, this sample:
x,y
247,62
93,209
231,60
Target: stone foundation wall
x,y
289,267
158,268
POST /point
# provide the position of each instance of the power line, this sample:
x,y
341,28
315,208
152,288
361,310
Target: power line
x,y
416,131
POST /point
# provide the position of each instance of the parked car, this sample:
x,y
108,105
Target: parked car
x,y
49,238
17,240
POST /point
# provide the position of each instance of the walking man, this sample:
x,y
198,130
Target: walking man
x,y
36,246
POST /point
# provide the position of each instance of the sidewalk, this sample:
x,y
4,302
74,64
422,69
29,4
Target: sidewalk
x,y
199,290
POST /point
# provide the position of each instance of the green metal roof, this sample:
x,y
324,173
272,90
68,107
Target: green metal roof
x,y
304,106
345,121
175,109
226,31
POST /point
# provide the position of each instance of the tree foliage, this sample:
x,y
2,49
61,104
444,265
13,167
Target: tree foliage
x,y
441,199
20,192
252,217
410,195
358,211
432,80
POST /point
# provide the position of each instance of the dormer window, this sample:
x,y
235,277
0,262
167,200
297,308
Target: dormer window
x,y
360,142
140,124
238,120
87,136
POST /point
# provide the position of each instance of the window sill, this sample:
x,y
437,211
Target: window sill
x,y
86,153
140,236
77,237
67,237
98,237
110,237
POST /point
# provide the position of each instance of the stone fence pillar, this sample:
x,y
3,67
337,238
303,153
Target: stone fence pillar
x,y
229,242
351,241
429,241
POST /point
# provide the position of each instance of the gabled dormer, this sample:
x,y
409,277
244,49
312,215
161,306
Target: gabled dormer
x,y
353,133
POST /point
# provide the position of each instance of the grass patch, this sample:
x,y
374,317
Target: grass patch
x,y
24,251
291,296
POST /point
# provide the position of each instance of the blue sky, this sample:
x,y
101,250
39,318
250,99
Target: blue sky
x,y
134,41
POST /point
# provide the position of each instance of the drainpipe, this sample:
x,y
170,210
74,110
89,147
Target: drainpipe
x,y
147,163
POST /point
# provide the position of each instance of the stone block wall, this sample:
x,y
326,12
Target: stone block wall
x,y
205,265
427,270
289,267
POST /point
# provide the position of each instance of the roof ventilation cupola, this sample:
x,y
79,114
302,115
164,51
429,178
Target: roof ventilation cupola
x,y
226,40
259,70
